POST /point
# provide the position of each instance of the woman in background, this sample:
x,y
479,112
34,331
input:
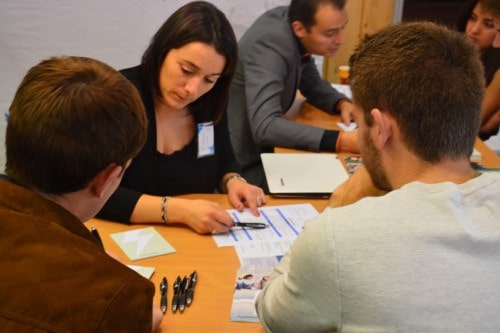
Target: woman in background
x,y
478,24
183,80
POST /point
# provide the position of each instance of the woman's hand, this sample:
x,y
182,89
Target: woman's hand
x,y
241,195
202,216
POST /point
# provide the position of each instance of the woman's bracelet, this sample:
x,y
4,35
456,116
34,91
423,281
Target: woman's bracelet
x,y
233,177
164,203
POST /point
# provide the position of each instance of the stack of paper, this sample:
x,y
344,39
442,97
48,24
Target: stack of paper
x,y
260,250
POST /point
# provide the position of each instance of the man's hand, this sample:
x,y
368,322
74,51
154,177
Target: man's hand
x,y
345,108
358,186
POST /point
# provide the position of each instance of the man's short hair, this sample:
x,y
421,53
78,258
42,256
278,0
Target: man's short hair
x,y
304,11
70,118
430,79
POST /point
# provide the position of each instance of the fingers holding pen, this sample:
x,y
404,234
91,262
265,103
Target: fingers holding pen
x,y
208,217
217,220
220,224
203,216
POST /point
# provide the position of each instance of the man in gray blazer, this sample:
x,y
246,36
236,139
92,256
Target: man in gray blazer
x,y
274,61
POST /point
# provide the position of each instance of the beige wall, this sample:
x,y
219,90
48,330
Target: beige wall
x,y
365,17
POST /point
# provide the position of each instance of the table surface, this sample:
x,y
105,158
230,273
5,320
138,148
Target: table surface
x,y
216,267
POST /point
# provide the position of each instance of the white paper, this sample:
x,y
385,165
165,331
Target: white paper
x,y
274,249
352,126
285,223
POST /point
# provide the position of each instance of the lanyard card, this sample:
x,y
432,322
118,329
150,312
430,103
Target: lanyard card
x,y
206,139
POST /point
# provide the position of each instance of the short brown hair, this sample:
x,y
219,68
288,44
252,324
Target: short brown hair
x,y
70,118
430,79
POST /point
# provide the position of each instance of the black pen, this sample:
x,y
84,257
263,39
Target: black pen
x,y
175,297
254,225
163,291
182,298
190,292
96,235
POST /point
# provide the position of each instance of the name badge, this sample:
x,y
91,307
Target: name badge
x,y
206,139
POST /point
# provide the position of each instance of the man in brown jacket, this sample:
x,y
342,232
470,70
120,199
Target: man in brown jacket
x,y
74,125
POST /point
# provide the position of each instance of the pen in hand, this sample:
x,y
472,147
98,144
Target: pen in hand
x,y
163,291
175,297
190,292
254,225
94,232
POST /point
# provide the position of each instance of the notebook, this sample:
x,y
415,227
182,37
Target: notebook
x,y
303,174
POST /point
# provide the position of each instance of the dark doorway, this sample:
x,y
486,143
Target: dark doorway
x,y
446,12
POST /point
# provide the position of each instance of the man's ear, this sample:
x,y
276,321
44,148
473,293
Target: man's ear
x,y
382,126
103,179
299,29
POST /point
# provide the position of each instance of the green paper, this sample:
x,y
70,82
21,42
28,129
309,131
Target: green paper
x,y
145,271
142,243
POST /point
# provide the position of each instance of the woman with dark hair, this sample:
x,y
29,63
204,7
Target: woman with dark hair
x,y
183,80
478,24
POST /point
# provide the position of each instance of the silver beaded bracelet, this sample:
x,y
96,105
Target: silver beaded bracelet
x,y
164,203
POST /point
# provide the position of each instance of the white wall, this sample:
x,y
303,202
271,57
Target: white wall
x,y
114,31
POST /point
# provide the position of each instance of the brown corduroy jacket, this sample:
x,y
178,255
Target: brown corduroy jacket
x,y
55,277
